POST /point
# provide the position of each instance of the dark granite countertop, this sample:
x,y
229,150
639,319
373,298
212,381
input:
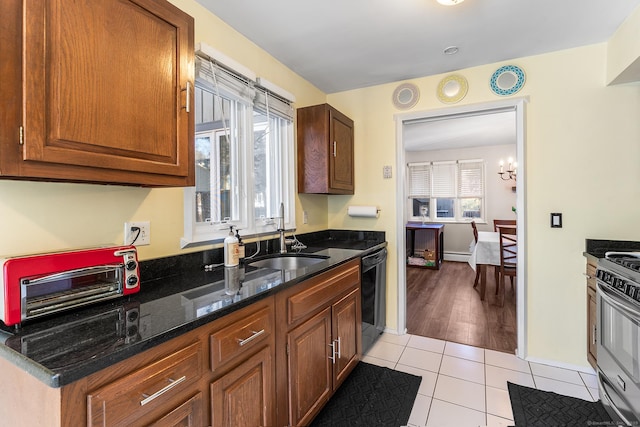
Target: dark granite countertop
x,y
596,248
177,295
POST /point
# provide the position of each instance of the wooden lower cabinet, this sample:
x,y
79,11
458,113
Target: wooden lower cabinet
x,y
591,315
275,362
309,368
245,395
144,394
319,324
189,414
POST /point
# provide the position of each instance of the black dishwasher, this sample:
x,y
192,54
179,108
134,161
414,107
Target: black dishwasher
x,y
374,295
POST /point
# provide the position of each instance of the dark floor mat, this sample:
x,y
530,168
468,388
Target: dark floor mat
x,y
371,396
538,408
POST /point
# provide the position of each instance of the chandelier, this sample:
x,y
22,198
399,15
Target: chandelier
x,y
511,171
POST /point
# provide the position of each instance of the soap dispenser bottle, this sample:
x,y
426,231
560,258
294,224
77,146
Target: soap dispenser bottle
x,y
231,255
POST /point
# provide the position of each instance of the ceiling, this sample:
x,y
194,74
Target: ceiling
x,y
342,45
460,131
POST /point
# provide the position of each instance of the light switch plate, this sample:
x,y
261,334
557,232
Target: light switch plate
x,y
556,220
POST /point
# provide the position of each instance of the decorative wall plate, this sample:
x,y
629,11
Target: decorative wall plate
x,y
507,80
406,96
452,89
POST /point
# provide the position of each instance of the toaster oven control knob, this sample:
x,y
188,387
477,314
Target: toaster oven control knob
x,y
131,265
132,281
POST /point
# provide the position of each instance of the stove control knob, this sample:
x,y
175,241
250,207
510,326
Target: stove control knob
x,y
132,281
131,265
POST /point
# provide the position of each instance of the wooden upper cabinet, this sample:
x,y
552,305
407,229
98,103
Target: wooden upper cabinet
x,y
325,151
107,93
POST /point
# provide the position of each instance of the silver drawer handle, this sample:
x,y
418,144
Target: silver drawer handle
x,y
251,338
163,390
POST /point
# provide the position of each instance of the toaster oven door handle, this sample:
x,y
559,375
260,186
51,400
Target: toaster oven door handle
x,y
72,273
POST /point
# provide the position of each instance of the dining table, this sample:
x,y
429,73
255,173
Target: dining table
x,y
485,252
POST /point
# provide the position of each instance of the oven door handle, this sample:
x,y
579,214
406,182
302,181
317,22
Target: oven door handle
x,y
615,301
71,273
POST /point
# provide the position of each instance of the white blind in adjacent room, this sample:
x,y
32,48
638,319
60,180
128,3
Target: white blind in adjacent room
x,y
471,178
419,180
444,179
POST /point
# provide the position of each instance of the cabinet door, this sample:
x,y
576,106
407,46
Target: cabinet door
x,y
245,396
591,327
106,90
189,414
341,157
347,330
309,366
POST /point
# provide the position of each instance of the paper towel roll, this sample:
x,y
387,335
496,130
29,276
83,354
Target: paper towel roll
x,y
363,211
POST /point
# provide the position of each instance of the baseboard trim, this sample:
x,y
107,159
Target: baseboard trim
x,y
556,364
457,256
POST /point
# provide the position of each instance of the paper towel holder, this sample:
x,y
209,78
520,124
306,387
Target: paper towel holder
x,y
363,211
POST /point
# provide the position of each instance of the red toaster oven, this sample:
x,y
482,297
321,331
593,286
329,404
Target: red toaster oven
x,y
43,284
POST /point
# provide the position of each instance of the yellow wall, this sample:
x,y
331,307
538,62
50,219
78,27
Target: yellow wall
x,y
582,142
583,159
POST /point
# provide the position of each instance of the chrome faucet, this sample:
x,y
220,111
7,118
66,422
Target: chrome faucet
x,y
283,240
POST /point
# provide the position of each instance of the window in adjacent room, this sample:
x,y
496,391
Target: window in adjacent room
x,y
244,157
451,191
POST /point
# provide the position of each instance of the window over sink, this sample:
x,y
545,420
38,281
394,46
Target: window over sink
x,y
244,155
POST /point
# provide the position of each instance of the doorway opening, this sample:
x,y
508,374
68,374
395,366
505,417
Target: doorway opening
x,y
480,131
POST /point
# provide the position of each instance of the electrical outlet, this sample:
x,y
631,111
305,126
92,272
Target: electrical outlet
x,y
305,217
386,172
131,236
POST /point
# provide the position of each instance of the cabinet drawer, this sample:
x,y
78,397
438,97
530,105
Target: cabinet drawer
x,y
142,391
231,341
322,290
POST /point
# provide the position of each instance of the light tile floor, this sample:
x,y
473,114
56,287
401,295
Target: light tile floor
x,y
466,386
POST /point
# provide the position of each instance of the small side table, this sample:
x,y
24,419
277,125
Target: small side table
x,y
438,232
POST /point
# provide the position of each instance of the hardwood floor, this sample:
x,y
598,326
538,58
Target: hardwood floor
x,y
443,304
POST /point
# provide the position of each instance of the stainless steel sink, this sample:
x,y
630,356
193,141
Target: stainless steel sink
x,y
289,261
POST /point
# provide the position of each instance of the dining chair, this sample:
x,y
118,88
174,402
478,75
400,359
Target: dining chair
x,y
498,222
475,236
508,257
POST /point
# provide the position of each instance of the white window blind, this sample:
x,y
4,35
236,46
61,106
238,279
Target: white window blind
x,y
471,178
444,179
419,180
273,104
449,190
223,82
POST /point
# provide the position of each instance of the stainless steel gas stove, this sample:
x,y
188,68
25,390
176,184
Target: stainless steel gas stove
x,y
618,334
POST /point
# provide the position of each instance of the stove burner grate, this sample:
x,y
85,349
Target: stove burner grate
x,y
631,263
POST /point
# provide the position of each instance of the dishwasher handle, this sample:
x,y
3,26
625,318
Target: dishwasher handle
x,y
374,259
